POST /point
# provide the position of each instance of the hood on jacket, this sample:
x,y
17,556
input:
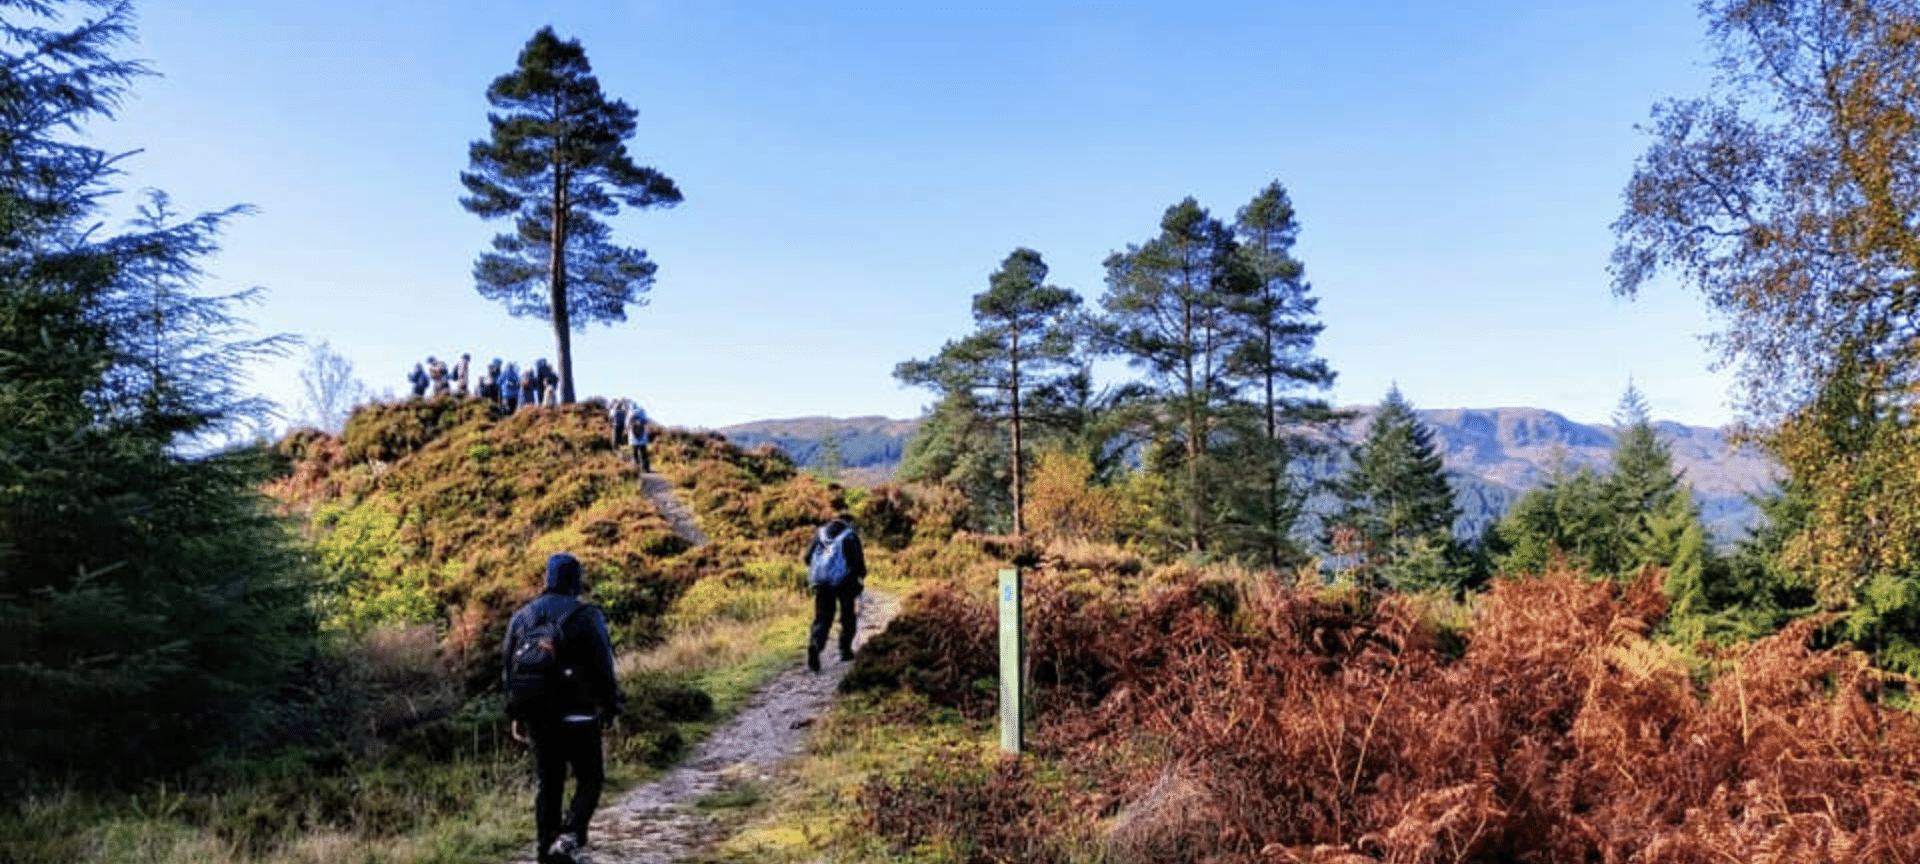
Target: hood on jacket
x,y
563,574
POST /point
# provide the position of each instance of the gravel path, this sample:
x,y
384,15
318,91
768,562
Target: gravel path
x,y
656,822
659,490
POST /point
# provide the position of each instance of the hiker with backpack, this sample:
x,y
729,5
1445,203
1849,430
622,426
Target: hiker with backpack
x,y
837,574
437,371
417,379
617,420
490,382
547,379
561,691
637,437
459,375
510,388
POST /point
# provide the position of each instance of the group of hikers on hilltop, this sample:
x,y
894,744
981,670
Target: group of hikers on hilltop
x,y
558,675
508,386
512,388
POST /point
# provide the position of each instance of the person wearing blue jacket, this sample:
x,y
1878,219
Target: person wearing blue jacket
x,y
565,730
510,387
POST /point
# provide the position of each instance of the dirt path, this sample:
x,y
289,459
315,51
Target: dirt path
x,y
656,822
659,490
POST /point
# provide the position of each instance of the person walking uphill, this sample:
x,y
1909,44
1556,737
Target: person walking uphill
x,y
837,571
561,691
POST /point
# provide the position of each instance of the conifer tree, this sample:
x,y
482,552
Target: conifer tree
x,y
149,601
1169,312
1275,362
1564,519
556,162
959,446
1643,487
1397,501
1023,343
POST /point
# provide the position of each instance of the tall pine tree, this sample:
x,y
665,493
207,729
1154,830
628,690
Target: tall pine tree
x,y
1023,342
556,161
1275,363
1169,312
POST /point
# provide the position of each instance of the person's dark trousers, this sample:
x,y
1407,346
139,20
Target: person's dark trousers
x,y
557,747
844,598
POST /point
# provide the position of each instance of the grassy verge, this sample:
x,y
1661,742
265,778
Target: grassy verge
x,y
810,812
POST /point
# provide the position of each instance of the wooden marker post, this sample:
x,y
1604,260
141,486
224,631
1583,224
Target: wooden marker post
x,y
1012,653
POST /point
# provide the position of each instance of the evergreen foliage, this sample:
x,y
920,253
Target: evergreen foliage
x,y
1558,524
1169,313
1399,507
1636,514
959,446
1275,362
150,603
1023,343
1852,536
556,161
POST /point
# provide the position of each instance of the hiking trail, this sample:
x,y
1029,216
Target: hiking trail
x,y
656,822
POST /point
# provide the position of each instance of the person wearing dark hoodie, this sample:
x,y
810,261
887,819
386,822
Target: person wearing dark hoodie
x,y
565,730
843,596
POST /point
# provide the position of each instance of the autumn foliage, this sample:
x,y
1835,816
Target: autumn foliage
x,y
1188,716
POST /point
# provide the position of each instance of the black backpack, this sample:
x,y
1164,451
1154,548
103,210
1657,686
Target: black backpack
x,y
537,679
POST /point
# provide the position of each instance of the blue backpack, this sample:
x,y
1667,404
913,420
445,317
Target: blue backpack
x,y
829,567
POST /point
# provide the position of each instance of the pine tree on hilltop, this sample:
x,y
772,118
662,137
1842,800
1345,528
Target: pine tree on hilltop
x,y
557,148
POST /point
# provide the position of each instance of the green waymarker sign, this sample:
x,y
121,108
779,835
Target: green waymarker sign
x,y
1011,650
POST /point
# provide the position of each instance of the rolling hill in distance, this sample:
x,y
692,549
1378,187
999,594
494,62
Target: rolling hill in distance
x,y
1492,455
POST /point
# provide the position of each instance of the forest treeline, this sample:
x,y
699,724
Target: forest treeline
x,y
1779,196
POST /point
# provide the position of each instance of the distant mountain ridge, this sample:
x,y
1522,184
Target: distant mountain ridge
x,y
1493,456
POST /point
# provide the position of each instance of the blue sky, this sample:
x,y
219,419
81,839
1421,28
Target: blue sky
x,y
853,171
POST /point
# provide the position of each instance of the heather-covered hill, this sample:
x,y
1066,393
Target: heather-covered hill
x,y
446,510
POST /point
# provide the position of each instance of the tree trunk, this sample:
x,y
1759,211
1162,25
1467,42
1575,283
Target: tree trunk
x,y
1019,492
1275,468
557,283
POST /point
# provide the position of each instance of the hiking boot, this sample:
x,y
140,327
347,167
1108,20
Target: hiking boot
x,y
813,658
564,848
846,655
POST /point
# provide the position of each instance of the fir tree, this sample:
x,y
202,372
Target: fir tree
x,y
1398,504
149,601
558,149
1643,485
